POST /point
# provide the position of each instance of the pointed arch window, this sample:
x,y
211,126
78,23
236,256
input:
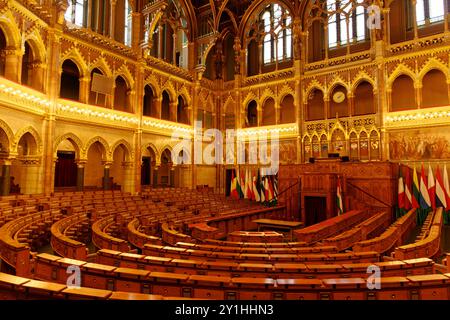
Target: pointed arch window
x,y
277,34
428,12
346,23
77,12
128,23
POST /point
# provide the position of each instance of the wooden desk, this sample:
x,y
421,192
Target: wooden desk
x,y
279,224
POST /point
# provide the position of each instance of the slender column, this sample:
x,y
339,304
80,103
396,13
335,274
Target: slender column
x,y
414,17
327,107
160,41
173,111
155,176
84,89
112,19
418,90
6,178
351,104
106,178
80,175
89,14
158,103
172,176
13,65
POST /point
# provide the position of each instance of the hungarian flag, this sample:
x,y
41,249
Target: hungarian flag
x,y
401,190
441,197
248,184
245,185
408,195
239,185
431,187
425,202
255,193
416,191
340,203
275,186
233,191
262,190
270,188
446,188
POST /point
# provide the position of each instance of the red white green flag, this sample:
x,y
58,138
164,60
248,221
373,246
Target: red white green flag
x,y
340,203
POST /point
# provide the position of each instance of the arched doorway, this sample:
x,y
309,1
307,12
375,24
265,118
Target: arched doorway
x,y
165,106
121,169
149,176
66,164
70,81
165,174
25,168
94,171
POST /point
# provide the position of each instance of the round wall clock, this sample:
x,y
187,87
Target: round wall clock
x,y
339,97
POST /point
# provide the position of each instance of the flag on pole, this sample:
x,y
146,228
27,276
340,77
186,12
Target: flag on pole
x,y
270,188
255,193
238,185
249,185
431,187
340,204
441,197
446,188
416,191
262,190
233,191
425,202
401,190
245,191
408,194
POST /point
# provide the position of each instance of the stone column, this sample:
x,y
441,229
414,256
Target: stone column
x,y
80,175
6,178
158,104
13,65
106,180
155,176
418,89
172,176
414,18
112,18
173,111
84,89
160,41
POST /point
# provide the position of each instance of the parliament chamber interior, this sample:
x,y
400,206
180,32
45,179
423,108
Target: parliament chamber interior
x,y
224,150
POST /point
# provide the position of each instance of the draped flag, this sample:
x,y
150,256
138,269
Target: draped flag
x,y
441,197
425,202
446,188
270,188
249,184
340,204
233,191
275,186
408,195
416,191
431,187
262,190
244,185
255,196
401,190
239,186
266,188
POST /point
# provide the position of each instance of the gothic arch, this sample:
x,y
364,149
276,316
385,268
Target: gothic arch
x,y
33,132
74,140
103,142
126,145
